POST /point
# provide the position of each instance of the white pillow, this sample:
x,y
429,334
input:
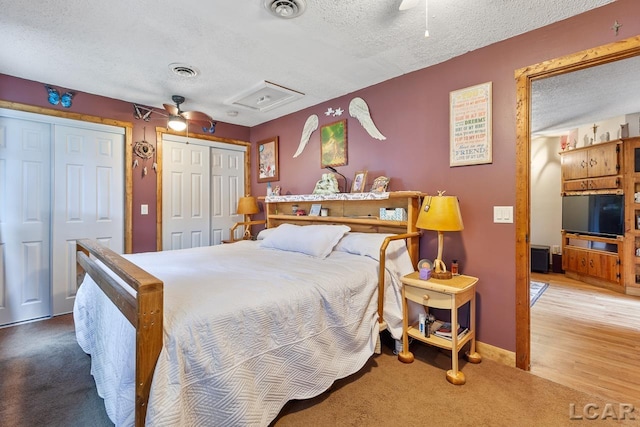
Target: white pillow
x,y
314,240
368,244
264,233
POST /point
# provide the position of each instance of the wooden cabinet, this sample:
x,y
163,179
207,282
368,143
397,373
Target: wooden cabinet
x,y
598,264
631,260
596,167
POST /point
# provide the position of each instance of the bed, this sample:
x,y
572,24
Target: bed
x,y
226,335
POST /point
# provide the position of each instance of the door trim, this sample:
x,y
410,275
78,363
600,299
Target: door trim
x,y
128,154
160,133
588,58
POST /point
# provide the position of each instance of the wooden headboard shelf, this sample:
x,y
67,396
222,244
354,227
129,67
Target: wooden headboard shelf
x,y
361,211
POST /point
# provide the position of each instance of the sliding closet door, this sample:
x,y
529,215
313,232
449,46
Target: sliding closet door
x,y
25,153
88,200
227,186
202,181
185,195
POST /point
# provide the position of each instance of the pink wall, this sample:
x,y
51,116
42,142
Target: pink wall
x,y
412,111
144,187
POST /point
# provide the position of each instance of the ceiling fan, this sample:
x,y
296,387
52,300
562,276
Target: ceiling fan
x,y
177,118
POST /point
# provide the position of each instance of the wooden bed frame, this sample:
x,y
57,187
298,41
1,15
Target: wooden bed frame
x,y
145,312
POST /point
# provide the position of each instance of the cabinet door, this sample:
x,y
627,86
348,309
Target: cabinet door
x,y
576,185
608,182
576,260
604,266
574,165
603,160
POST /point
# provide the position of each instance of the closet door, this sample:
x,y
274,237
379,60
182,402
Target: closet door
x,y
227,186
88,200
201,183
25,178
185,195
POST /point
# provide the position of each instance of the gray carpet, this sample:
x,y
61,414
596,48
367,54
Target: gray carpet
x,y
45,377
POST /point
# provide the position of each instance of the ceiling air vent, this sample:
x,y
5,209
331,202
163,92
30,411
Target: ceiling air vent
x,y
183,70
286,9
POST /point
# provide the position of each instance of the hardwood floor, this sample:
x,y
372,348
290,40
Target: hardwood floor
x,y
587,338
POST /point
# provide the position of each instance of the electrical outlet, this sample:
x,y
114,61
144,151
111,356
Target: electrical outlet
x,y
144,209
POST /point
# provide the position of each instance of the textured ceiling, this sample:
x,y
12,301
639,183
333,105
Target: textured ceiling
x,y
122,49
569,100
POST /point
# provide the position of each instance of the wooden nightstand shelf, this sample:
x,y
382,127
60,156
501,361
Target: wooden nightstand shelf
x,y
448,294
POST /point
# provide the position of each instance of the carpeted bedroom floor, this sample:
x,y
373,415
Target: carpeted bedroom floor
x,y
45,381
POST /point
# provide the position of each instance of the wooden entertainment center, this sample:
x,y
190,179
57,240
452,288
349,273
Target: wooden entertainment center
x,y
605,168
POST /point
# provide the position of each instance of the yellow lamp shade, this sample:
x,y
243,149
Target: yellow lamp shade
x,y
247,206
440,213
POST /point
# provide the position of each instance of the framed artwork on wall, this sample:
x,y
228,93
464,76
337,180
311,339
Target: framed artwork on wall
x,y
267,153
359,182
333,144
470,126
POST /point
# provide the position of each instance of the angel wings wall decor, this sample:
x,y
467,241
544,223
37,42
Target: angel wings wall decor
x,y
358,109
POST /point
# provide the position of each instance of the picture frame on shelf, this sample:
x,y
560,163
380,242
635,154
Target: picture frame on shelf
x,y
315,209
359,182
267,156
333,144
380,184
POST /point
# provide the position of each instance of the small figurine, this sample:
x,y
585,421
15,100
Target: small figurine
x,y
328,184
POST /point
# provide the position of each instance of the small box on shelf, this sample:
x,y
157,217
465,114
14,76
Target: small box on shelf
x,y
397,214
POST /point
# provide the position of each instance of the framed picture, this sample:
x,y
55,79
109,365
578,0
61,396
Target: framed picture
x,y
380,184
333,144
470,126
315,209
359,181
267,152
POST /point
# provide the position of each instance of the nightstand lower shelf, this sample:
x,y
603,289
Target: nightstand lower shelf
x,y
448,294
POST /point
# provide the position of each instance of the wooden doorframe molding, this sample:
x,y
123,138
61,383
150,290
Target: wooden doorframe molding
x,y
160,132
588,58
128,154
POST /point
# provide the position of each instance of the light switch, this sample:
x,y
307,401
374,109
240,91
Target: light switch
x,y
144,209
503,214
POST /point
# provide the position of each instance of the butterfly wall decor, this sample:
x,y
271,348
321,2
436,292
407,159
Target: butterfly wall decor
x,y
55,98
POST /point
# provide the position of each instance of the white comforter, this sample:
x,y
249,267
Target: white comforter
x,y
246,329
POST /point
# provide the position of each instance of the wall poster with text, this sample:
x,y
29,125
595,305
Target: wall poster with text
x,y
470,126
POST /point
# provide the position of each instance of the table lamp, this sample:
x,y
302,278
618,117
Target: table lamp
x,y
247,205
440,213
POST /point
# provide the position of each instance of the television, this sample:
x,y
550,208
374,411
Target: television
x,y
594,214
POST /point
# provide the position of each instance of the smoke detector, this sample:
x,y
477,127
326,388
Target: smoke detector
x,y
286,9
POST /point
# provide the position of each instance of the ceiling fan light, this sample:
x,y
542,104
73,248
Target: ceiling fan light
x,y
177,123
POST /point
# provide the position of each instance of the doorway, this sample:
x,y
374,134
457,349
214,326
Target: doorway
x,y
581,60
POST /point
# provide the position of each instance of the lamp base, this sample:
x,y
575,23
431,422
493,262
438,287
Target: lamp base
x,y
441,275
440,271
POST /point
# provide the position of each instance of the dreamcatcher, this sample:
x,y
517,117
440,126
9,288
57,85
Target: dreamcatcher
x,y
145,151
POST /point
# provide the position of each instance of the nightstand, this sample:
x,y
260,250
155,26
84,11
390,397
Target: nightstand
x,y
448,294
